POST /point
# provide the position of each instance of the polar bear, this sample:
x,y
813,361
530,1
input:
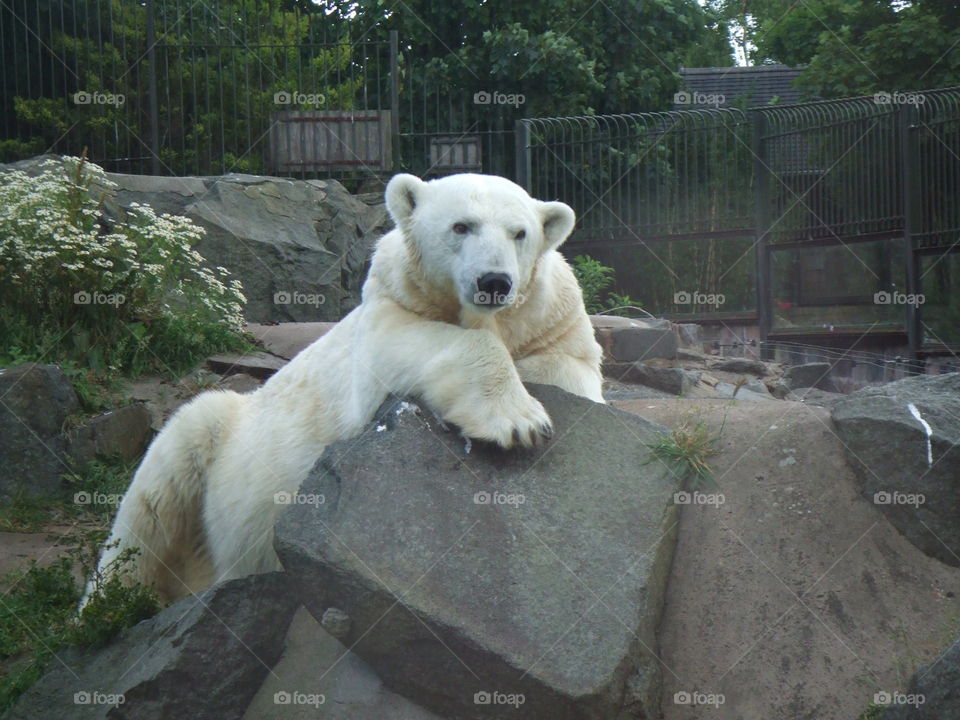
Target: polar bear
x,y
467,298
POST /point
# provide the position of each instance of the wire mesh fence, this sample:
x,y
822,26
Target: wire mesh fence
x,y
822,216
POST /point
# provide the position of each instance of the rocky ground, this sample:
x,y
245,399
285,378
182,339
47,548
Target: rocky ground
x,y
788,590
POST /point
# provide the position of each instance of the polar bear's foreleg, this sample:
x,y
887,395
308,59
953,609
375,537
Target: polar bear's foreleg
x,y
465,375
573,374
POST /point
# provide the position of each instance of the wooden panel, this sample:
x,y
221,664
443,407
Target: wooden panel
x,y
317,140
455,153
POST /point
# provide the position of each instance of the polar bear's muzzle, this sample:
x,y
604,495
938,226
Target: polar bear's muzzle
x,y
494,290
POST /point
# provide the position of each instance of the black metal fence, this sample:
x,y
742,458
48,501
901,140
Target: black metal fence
x,y
834,216
185,88
822,218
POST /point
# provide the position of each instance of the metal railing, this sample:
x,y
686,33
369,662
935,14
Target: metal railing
x,y
818,216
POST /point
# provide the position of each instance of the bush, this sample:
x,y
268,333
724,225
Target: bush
x,y
594,278
38,617
118,297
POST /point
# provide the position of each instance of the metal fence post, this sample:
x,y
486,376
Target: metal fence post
x,y
761,219
152,92
909,184
395,99
522,150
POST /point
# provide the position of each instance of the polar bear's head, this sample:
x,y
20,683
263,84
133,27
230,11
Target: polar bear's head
x,y
480,236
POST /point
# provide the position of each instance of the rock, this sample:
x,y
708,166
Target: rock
x,y
536,572
318,677
300,247
815,374
690,336
912,479
124,432
939,684
287,339
675,381
779,389
35,402
336,622
708,379
239,383
729,390
815,396
260,365
202,657
628,340
741,365
691,355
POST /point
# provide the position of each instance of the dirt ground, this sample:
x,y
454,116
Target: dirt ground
x,y
795,599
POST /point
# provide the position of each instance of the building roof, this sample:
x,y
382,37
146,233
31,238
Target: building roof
x,y
722,86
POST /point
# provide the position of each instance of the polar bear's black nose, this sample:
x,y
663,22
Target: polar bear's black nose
x,y
493,289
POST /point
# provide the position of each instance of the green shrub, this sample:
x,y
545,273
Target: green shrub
x,y
38,616
115,297
595,278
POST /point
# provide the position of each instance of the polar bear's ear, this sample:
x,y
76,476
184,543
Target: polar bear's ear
x,y
402,195
558,220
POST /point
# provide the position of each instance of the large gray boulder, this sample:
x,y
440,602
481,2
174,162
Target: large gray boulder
x,y
629,339
932,694
475,578
809,375
43,433
676,381
300,247
913,478
318,677
203,657
35,402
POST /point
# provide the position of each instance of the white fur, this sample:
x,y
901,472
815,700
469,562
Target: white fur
x,y
201,506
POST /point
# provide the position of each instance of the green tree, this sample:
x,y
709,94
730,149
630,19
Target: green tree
x,y
856,47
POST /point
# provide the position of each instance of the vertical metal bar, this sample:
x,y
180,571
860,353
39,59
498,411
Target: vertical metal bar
x,y
761,225
395,100
910,183
152,92
522,152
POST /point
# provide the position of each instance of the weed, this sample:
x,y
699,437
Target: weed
x,y
687,448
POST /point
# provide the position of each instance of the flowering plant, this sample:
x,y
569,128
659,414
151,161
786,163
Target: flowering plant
x,y
120,294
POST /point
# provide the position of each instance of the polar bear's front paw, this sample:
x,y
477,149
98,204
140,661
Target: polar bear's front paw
x,y
508,422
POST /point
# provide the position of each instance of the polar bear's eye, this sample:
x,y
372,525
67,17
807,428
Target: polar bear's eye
x,y
520,235
460,228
